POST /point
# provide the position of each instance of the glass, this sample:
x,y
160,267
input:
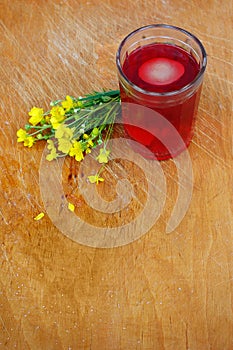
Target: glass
x,y
160,70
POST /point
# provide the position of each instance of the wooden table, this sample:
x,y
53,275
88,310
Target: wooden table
x,y
161,291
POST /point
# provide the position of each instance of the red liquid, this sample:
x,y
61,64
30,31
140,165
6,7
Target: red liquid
x,y
160,68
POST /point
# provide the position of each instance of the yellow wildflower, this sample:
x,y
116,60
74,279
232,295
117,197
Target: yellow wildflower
x,y
57,112
103,156
39,217
22,135
68,103
52,155
29,141
50,145
64,136
25,138
95,179
64,145
57,116
76,151
71,207
64,132
53,152
36,114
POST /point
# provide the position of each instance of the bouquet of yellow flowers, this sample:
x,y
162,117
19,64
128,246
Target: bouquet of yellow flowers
x,y
74,126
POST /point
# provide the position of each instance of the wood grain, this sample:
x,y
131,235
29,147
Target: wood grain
x,y
160,292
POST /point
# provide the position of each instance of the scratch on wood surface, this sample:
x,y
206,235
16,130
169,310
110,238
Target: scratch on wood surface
x,y
4,326
216,262
3,133
212,116
224,80
3,217
208,44
213,155
4,254
215,133
224,282
9,35
222,60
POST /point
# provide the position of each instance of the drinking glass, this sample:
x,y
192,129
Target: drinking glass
x,y
160,69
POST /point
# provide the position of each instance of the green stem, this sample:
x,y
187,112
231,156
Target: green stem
x,y
40,129
99,121
99,95
101,170
92,97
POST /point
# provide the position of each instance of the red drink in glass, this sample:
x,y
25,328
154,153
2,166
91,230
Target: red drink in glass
x,y
158,73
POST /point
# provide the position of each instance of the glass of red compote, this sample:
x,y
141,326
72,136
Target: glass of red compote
x,y
160,69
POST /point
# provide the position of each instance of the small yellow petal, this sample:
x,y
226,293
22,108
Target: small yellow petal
x,y
71,207
103,156
51,156
36,115
95,179
76,151
90,143
39,217
64,145
22,135
29,141
50,144
67,103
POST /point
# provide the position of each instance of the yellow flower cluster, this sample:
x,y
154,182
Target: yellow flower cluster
x,y
76,151
51,120
25,138
36,114
65,142
53,151
57,116
74,126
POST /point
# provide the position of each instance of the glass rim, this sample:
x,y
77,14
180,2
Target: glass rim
x,y
170,93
